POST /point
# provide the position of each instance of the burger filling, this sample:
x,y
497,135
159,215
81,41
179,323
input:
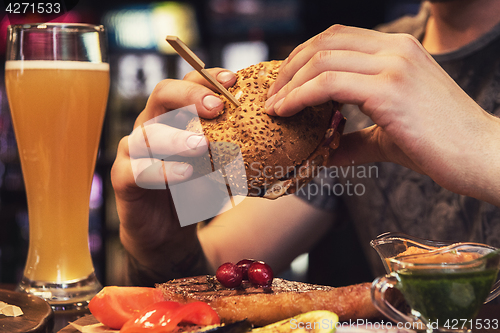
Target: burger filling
x,y
303,173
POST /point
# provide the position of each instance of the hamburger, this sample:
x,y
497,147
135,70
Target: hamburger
x,y
280,154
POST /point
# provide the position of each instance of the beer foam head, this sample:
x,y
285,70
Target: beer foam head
x,y
43,64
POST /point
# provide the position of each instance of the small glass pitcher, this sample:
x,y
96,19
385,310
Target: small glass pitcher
x,y
444,284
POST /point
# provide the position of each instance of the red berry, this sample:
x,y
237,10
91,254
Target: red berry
x,y
245,264
260,274
229,275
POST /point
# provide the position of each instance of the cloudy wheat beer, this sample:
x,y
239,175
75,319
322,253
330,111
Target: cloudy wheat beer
x,y
57,108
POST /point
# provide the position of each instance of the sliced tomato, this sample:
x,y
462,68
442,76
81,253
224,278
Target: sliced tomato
x,y
114,306
198,313
163,317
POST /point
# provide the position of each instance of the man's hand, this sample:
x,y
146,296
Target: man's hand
x,y
424,120
149,224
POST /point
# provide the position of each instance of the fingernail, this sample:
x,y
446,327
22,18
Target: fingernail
x,y
270,92
277,105
195,141
180,168
224,77
212,102
270,101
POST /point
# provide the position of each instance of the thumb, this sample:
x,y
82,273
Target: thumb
x,y
371,144
357,148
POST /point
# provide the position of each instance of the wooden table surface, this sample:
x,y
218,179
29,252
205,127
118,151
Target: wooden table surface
x,y
58,321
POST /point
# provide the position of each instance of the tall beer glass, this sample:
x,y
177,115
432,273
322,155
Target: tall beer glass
x,y
57,81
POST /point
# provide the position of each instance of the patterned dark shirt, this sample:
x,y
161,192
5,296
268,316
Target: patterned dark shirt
x,y
394,198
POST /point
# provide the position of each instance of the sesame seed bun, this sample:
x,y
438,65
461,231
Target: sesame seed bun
x,y
272,147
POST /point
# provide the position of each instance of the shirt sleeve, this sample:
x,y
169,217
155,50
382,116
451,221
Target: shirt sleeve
x,y
319,192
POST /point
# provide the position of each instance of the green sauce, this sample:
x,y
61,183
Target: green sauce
x,y
444,296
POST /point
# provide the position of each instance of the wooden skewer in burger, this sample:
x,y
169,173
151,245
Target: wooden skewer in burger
x,y
280,154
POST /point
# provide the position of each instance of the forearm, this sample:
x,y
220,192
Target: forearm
x,y
483,178
275,231
179,256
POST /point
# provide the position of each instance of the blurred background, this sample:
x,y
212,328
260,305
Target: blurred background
x,y
228,33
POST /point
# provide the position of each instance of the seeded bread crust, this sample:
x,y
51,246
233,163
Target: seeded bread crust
x,y
270,146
